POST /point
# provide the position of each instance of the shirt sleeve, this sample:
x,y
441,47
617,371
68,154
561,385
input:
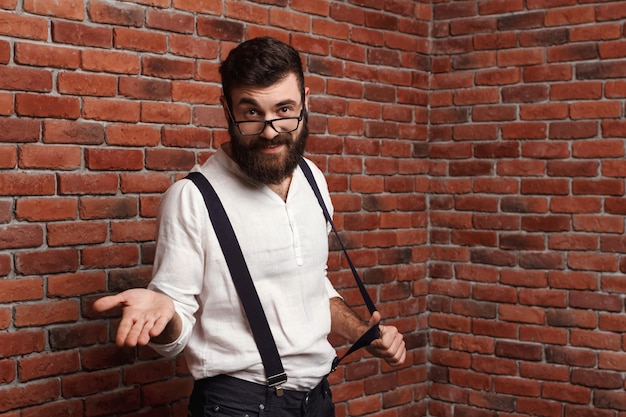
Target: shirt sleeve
x,y
180,256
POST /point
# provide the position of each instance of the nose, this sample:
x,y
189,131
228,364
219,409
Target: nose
x,y
269,132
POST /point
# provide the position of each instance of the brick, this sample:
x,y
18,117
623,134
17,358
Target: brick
x,y
170,21
87,84
145,183
85,384
595,340
46,56
139,40
37,105
543,407
110,256
46,365
543,335
91,208
613,128
570,16
28,79
546,37
114,159
101,11
46,262
550,72
495,41
185,137
29,27
614,89
171,113
6,104
117,62
115,402
48,157
597,379
601,187
572,130
60,131
119,134
22,289
75,233
611,12
81,35
166,392
105,357
517,386
21,343
167,68
73,9
69,336
7,371
110,110
59,408
20,236
170,159
25,395
47,313
193,47
603,70
80,184
528,20
26,184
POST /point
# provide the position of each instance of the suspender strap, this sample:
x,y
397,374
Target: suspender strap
x,y
374,332
261,332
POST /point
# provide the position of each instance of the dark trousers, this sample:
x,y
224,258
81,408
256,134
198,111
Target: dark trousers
x,y
225,396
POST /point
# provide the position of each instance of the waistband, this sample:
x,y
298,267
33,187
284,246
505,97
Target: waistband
x,y
243,391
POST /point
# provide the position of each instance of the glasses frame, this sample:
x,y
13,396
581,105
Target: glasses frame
x,y
266,122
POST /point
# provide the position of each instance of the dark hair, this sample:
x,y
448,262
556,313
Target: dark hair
x,y
260,62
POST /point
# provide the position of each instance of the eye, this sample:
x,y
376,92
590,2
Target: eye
x,y
285,111
251,114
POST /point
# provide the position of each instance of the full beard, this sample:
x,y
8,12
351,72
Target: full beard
x,y
268,168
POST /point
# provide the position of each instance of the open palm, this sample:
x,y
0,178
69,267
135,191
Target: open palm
x,y
145,314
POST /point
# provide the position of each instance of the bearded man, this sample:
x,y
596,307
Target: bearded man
x,y
192,305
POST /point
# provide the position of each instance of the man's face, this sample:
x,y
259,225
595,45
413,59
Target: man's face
x,y
269,156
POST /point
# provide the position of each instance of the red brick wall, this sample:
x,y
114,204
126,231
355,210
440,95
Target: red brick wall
x,y
526,205
103,104
497,211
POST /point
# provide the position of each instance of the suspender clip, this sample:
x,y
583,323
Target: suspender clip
x,y
277,381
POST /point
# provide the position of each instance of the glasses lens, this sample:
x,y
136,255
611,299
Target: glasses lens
x,y
285,125
280,125
251,128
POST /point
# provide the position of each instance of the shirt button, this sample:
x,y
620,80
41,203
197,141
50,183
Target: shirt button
x,y
216,409
261,406
306,400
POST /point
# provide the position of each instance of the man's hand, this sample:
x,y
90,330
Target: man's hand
x,y
390,346
145,314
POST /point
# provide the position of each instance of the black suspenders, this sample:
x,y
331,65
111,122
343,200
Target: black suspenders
x,y
261,332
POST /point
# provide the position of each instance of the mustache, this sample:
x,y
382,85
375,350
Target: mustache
x,y
261,143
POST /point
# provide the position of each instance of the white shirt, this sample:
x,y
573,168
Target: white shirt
x,y
285,245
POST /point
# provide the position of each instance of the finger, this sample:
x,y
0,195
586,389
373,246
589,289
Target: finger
x,y
375,319
107,303
159,326
123,330
134,333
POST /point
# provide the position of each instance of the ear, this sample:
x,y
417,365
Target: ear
x,y
224,104
307,93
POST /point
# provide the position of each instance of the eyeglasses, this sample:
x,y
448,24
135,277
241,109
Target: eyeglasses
x,y
280,125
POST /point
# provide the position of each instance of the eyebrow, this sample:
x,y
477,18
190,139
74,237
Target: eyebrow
x,y
250,101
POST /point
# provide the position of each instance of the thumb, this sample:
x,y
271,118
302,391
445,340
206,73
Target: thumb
x,y
375,319
107,303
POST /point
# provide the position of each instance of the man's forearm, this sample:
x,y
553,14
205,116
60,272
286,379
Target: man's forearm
x,y
344,321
